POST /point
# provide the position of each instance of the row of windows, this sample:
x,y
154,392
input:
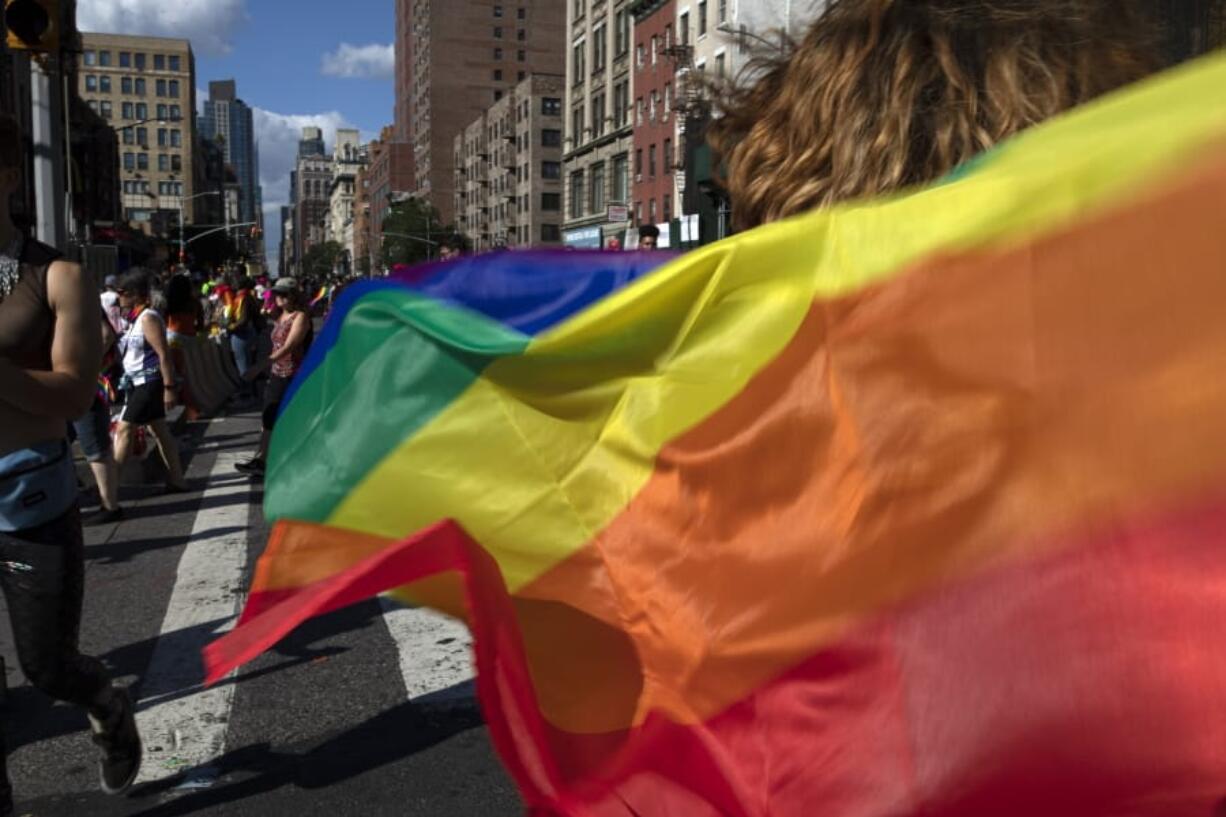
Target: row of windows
x,y
138,111
137,60
520,77
665,213
521,34
651,160
138,186
588,189
522,14
580,130
140,136
132,85
520,54
140,161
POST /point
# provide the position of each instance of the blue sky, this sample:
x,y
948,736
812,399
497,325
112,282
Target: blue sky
x,y
297,62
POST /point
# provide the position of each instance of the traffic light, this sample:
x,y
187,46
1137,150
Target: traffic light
x,y
33,25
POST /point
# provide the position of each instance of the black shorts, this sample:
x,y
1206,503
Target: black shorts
x,y
274,393
145,404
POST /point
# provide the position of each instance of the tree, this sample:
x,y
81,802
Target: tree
x,y
320,260
415,218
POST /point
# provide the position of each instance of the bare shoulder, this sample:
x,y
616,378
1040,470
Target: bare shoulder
x,y
67,283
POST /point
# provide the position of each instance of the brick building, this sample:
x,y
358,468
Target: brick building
x,y
458,58
509,168
655,131
388,176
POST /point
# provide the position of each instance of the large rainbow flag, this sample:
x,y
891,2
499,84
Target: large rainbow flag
x,y
914,506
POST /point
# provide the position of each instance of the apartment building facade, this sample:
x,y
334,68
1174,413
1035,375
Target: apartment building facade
x,y
654,191
509,168
145,88
599,132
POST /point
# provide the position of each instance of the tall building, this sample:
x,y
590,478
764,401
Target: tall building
x,y
145,88
388,178
285,261
457,58
599,123
311,194
509,168
348,157
228,120
655,129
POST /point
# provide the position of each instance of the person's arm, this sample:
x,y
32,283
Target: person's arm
x,y
108,334
67,390
155,335
297,334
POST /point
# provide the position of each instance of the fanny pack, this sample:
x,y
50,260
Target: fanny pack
x,y
37,485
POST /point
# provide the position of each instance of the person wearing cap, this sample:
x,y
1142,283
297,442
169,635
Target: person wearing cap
x,y
110,303
291,335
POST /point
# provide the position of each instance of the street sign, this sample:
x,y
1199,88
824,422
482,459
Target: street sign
x,y
617,213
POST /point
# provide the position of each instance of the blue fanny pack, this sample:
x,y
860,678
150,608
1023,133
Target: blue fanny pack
x,y
37,485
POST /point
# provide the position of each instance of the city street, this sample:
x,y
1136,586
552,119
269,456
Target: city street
x,y
367,711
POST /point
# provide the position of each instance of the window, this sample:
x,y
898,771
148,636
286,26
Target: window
x,y
163,162
576,126
105,109
723,11
129,161
651,161
91,58
176,163
551,232
684,25
161,87
104,58
719,65
668,207
668,156
521,14
162,109
497,95
621,103
521,35
140,86
638,111
578,8
521,75
655,103
497,53
159,62
551,202
125,85
551,106
668,35
174,112
619,191
497,32
621,34
91,82
140,62
651,211
163,138
551,170
577,62
576,194
128,110
597,188
638,163
655,48
142,137
104,84
551,138
125,59
600,42
497,75
175,64
497,11
521,55
176,138
702,18
639,55
142,161
142,110
598,108
128,137
174,88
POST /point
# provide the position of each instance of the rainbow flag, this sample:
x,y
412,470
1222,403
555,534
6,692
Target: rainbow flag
x,y
324,292
914,506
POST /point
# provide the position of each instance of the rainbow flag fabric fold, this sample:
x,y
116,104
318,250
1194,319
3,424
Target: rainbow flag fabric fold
x,y
914,506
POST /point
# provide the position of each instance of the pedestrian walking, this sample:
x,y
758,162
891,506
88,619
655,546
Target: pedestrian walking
x,y
291,336
49,358
93,432
242,323
149,377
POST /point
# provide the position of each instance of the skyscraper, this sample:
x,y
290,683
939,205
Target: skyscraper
x,y
310,194
455,58
228,120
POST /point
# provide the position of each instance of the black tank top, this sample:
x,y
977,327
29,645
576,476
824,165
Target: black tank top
x,y
26,319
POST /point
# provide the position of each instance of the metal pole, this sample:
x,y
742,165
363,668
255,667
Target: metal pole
x,y
48,165
181,231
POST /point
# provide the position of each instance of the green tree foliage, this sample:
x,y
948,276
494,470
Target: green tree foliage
x,y
415,218
320,260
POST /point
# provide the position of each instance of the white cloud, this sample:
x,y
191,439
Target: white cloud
x,y
209,24
360,62
278,135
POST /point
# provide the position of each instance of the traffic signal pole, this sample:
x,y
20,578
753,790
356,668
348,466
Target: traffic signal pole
x,y
48,154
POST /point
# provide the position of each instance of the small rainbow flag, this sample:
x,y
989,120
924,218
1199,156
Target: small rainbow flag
x,y
915,506
324,292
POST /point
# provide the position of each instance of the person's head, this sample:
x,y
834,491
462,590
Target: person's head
x,y
649,237
448,250
180,295
613,243
288,295
135,288
883,94
110,283
11,159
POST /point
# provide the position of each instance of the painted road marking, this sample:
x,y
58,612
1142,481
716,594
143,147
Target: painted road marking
x,y
435,653
184,725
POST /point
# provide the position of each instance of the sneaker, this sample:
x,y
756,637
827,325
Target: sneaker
x,y
119,741
102,516
254,467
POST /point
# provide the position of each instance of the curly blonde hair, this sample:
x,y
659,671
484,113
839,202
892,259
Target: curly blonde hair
x,y
882,94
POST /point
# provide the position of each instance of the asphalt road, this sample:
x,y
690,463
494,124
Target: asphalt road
x,y
368,711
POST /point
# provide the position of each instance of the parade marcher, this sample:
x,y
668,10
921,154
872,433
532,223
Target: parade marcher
x,y
93,432
184,313
649,237
242,324
49,358
291,335
149,376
